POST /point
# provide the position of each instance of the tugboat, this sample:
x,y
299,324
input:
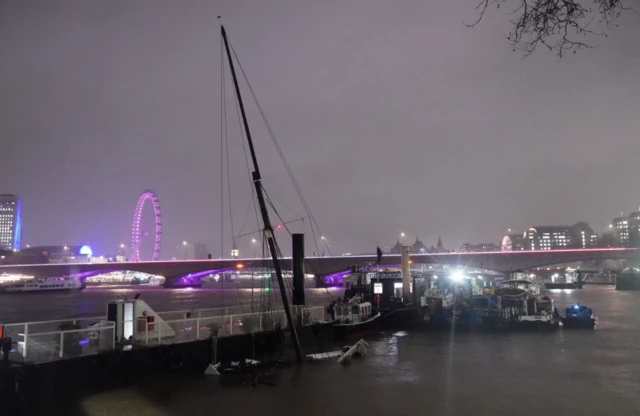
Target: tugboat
x,y
525,307
353,317
578,316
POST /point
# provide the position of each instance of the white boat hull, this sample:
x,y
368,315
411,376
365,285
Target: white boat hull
x,y
43,285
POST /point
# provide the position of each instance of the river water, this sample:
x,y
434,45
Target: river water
x,y
563,372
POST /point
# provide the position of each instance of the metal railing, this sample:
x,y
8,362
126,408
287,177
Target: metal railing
x,y
200,313
51,340
54,345
196,328
20,332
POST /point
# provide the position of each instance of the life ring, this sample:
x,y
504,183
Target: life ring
x,y
177,360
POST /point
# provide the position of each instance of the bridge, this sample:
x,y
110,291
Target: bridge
x,y
190,271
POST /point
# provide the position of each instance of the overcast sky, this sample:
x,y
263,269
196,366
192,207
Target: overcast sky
x,y
394,117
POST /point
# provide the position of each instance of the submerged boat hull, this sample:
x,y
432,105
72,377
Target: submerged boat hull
x,y
342,331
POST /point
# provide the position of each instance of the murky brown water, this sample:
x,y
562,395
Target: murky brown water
x,y
420,373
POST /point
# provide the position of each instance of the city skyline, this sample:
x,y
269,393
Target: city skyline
x,y
619,232
104,101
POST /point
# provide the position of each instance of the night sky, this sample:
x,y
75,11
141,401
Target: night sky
x,y
394,117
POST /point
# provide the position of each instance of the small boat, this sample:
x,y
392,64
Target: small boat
x,y
578,316
44,284
353,317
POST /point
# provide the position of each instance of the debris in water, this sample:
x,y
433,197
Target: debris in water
x,y
359,349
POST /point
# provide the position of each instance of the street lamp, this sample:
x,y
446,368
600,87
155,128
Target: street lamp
x,y
253,243
185,244
402,238
324,244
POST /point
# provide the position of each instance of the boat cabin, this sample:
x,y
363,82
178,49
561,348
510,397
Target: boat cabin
x,y
578,311
527,285
352,312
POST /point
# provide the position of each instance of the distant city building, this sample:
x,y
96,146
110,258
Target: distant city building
x,y
50,254
621,231
200,251
440,247
513,242
560,237
418,247
481,247
634,229
626,230
396,248
587,238
10,222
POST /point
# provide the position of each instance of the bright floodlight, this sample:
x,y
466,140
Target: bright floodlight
x,y
457,276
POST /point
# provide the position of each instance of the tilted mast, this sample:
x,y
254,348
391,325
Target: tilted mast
x,y
268,229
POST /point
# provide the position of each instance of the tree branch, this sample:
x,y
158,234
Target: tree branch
x,y
559,25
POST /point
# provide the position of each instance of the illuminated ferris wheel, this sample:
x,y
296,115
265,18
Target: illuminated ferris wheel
x,y
137,234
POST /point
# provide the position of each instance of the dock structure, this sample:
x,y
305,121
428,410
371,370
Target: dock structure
x,y
136,324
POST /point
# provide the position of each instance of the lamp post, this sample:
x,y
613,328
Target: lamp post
x,y
185,244
402,238
324,244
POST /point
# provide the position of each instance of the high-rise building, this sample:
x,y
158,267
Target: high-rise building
x,y
10,222
621,231
634,229
585,235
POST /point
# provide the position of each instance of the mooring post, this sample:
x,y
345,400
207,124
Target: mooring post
x,y
298,269
406,276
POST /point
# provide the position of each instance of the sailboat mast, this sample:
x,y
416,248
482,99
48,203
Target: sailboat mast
x,y
268,229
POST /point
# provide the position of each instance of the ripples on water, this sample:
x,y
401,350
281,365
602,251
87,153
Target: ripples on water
x,y
405,373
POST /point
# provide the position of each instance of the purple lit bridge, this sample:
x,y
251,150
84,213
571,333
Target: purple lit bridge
x,y
190,271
